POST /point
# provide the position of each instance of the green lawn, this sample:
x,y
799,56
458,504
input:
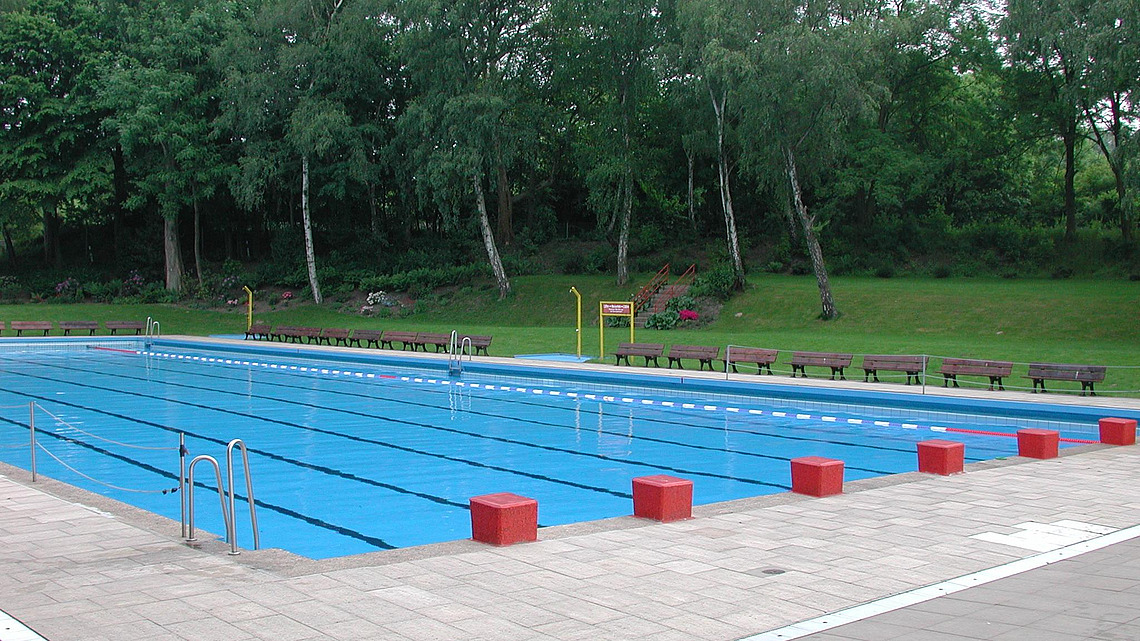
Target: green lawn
x,y
1071,321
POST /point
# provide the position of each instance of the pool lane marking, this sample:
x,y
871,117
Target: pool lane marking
x,y
273,507
594,455
718,449
707,408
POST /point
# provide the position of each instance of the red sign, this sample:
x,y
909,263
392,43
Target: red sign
x,y
617,309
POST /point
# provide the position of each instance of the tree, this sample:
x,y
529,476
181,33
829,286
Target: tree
x,y
162,99
295,77
716,38
50,153
471,62
611,52
804,86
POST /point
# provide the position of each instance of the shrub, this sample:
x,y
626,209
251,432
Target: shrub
x,y
942,271
684,301
667,319
885,271
715,283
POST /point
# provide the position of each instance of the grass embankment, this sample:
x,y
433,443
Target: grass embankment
x,y
1070,321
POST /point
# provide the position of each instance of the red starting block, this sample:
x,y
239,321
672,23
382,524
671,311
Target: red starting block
x,y
817,476
504,518
941,457
662,498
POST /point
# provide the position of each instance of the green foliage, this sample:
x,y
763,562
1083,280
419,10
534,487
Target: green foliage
x,y
667,319
423,281
715,283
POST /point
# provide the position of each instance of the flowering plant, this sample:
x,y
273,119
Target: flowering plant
x,y
69,288
688,315
287,296
233,302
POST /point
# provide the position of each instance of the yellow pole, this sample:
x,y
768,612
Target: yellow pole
x,y
601,333
579,330
249,307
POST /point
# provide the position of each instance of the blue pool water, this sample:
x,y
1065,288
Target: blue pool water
x,y
357,456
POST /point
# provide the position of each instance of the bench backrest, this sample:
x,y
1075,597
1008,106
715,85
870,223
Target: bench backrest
x,y
890,361
751,355
974,366
78,325
429,338
403,337
477,341
641,349
22,325
1062,371
258,328
694,351
826,359
125,324
366,334
333,332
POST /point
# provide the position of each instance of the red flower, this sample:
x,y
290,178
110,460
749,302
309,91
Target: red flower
x,y
688,314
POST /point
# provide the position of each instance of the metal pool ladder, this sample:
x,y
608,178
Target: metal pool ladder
x,y
227,512
455,353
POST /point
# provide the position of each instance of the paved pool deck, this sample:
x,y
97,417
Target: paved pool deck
x,y
1010,549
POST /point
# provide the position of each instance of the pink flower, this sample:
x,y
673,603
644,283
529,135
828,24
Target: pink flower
x,y
287,296
688,314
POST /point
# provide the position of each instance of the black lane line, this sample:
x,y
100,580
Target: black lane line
x,y
530,422
500,439
658,409
350,437
371,540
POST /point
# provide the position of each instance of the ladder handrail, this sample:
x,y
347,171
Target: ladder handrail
x,y
232,534
190,493
455,352
153,327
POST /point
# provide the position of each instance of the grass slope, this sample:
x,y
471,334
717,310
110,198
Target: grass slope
x,y
1071,321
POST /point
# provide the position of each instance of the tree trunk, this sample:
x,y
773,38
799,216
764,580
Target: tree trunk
x,y
723,172
808,223
1070,139
373,213
691,156
197,236
53,255
310,257
623,235
506,209
173,250
489,241
9,247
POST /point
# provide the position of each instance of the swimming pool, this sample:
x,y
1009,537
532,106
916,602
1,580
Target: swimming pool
x,y
356,452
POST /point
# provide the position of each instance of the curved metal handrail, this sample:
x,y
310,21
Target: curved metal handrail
x,y
190,494
232,534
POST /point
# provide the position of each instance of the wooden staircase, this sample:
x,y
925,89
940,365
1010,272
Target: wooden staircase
x,y
656,294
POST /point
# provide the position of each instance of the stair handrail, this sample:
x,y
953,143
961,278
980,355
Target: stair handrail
x,y
674,290
645,294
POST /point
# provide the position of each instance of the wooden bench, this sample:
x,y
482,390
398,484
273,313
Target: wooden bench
x,y
761,358
115,326
371,337
646,350
258,331
286,334
78,326
1087,375
479,343
31,326
910,365
836,362
310,334
405,339
441,342
704,353
995,370
330,334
